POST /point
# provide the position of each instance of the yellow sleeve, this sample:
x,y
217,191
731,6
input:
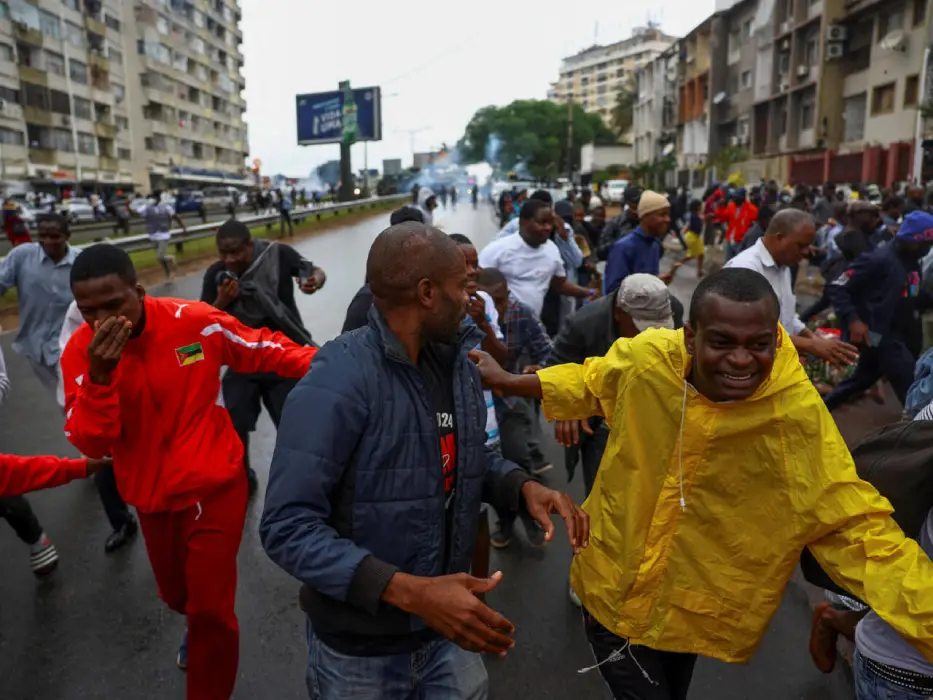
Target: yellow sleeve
x,y
579,391
862,548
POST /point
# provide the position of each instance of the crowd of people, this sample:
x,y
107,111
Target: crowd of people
x,y
710,460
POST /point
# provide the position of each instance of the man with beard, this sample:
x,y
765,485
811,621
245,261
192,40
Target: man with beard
x,y
254,281
375,509
722,465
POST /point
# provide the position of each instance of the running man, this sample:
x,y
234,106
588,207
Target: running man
x,y
722,465
158,217
142,383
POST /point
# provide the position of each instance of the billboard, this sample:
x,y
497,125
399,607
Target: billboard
x,y
392,167
320,116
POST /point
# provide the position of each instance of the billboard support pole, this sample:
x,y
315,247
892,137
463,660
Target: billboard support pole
x,y
346,173
349,137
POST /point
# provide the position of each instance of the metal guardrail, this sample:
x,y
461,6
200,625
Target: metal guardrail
x,y
132,244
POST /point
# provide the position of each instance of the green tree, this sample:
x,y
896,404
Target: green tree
x,y
531,132
623,112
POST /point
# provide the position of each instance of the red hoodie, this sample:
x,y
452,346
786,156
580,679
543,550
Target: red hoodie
x,y
19,475
162,416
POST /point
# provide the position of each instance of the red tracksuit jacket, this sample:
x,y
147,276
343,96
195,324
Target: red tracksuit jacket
x,y
162,416
19,475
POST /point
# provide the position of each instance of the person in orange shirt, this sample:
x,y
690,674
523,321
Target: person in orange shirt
x,y
742,214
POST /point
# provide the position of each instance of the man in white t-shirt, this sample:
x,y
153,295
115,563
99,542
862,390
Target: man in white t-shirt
x,y
531,261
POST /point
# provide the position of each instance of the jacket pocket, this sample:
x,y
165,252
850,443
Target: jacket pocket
x,y
706,622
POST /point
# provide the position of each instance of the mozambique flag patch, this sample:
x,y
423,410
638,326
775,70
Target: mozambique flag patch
x,y
189,354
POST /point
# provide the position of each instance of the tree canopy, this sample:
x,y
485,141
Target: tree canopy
x,y
623,113
532,133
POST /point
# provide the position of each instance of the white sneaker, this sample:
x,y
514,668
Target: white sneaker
x,y
573,597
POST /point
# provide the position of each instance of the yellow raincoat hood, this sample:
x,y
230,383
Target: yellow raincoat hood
x,y
761,479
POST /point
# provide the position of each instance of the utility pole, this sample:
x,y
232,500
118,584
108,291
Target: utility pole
x,y
411,134
570,136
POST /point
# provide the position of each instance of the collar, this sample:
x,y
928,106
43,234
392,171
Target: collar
x,y
469,337
762,252
638,231
69,258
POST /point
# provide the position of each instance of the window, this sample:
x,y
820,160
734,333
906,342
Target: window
x,y
196,44
807,113
50,24
78,71
162,26
82,108
911,89
6,53
60,140
746,29
119,92
55,63
746,80
87,144
811,54
60,102
9,94
920,12
22,11
74,35
72,5
197,18
853,113
180,62
11,137
890,21
122,122
124,154
112,22
36,96
882,99
115,54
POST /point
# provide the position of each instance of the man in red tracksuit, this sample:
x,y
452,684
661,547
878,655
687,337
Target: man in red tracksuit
x,y
19,475
142,383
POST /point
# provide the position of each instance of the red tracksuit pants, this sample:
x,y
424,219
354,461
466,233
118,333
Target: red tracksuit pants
x,y
193,555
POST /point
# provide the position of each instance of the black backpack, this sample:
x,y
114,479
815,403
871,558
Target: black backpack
x,y
898,461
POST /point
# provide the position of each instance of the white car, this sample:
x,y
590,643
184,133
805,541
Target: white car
x,y
78,209
613,191
136,203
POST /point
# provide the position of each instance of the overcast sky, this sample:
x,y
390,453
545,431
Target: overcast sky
x,y
437,64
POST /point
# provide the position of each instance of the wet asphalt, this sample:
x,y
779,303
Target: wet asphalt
x,y
97,629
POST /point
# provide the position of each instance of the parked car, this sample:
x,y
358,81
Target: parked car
x,y
220,197
613,191
78,209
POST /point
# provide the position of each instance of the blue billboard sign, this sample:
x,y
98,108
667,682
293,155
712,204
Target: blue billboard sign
x,y
320,116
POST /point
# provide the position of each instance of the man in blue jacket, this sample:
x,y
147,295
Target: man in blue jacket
x,y
641,250
376,483
878,300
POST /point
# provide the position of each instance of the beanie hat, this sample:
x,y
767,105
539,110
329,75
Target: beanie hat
x,y
651,202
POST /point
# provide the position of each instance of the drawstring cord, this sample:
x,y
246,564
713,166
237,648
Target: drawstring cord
x,y
680,448
200,510
619,655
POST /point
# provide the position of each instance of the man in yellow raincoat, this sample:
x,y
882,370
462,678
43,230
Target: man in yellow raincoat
x,y
722,465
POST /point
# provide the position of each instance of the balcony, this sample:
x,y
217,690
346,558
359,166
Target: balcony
x,y
109,164
95,25
37,116
28,74
27,34
42,156
105,130
98,61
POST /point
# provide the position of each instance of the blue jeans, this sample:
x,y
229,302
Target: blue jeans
x,y
440,670
869,687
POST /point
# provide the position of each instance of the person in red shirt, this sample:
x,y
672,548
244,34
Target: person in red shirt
x,y
142,384
742,214
14,227
19,475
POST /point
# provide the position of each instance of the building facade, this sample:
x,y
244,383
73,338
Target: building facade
x,y
105,95
655,113
594,77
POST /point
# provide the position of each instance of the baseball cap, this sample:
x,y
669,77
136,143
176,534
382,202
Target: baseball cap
x,y
917,226
647,300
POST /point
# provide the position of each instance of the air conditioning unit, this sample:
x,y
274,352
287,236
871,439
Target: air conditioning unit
x,y
2,106
66,120
734,141
803,71
785,27
836,32
785,45
834,51
785,87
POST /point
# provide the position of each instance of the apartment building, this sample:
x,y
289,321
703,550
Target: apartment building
x,y
76,105
655,113
693,105
595,76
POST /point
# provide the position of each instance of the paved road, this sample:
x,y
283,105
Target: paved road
x,y
97,630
